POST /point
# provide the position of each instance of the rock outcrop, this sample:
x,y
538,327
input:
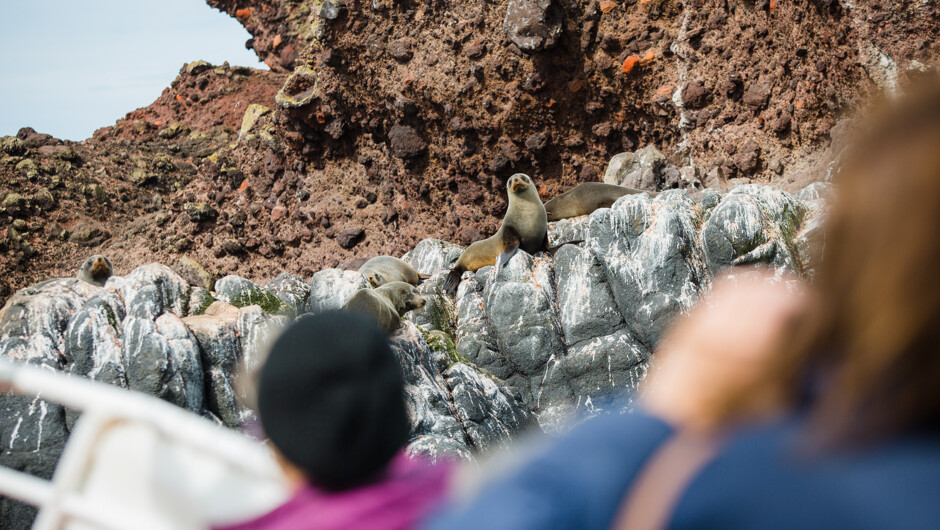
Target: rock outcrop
x,y
383,123
547,337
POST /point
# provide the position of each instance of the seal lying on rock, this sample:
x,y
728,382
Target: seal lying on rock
x,y
384,269
96,270
525,226
386,304
587,197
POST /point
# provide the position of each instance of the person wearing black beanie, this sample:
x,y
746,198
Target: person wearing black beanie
x,y
331,399
331,402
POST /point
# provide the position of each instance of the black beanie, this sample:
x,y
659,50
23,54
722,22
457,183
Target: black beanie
x,y
331,399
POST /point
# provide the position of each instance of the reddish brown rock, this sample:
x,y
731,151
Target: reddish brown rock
x,y
350,236
748,157
405,142
694,95
757,94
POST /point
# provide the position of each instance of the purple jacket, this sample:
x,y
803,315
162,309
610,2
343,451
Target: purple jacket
x,y
410,489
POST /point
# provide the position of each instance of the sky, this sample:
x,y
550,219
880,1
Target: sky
x,y
68,67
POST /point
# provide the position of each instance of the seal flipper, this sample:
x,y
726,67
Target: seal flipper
x,y
453,279
510,247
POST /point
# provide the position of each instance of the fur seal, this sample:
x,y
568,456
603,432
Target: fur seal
x,y
386,304
384,269
524,226
587,197
96,270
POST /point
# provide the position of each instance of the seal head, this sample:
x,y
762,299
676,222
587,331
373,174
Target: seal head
x,y
96,270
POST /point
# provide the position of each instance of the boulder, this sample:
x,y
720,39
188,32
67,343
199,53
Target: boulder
x,y
330,289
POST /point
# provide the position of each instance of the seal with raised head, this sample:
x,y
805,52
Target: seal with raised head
x,y
524,226
96,270
384,269
587,197
386,304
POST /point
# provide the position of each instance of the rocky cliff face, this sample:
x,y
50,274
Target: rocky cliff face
x,y
377,116
546,337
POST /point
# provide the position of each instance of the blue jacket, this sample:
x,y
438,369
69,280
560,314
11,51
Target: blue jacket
x,y
762,478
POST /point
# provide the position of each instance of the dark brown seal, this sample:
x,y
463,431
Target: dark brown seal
x,y
585,198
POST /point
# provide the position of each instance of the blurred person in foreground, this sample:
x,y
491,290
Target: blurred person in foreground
x,y
331,402
770,406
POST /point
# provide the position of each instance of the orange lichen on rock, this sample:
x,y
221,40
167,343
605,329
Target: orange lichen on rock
x,y
243,186
648,58
630,64
607,6
243,13
277,41
773,5
179,98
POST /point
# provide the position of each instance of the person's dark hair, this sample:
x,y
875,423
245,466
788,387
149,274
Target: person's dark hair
x,y
331,399
873,333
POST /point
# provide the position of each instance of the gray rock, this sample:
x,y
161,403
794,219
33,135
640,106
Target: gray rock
x,y
475,338
330,289
565,230
330,9
641,170
520,307
585,301
33,328
533,25
646,175
426,394
438,448
172,290
256,331
431,256
816,190
653,263
809,242
618,166
439,311
604,371
216,334
162,359
292,291
199,300
753,224
94,340
490,412
240,292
